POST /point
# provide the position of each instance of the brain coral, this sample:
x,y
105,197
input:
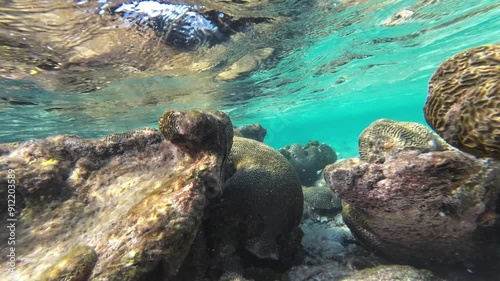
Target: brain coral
x,y
385,138
262,199
463,104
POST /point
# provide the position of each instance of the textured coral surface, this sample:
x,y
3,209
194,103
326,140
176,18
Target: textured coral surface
x,y
386,138
262,201
463,105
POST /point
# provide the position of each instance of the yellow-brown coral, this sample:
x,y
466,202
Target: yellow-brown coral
x,y
463,104
385,138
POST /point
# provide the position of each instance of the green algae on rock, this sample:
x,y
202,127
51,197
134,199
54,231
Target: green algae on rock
x,y
76,265
463,104
136,201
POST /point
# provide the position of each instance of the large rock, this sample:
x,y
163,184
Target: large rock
x,y
124,207
421,209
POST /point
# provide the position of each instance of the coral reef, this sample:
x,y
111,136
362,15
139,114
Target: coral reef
x,y
261,204
252,131
386,138
324,242
309,159
134,203
320,203
463,104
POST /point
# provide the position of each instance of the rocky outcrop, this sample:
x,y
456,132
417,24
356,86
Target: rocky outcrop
x,y
420,207
124,207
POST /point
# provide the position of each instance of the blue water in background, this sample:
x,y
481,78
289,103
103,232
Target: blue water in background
x,y
391,83
345,71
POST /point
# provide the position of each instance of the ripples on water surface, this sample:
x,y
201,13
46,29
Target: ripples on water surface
x,y
338,66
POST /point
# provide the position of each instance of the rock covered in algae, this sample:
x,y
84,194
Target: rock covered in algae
x,y
435,207
133,202
76,265
463,104
262,202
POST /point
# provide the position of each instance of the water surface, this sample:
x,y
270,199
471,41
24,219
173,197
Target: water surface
x,y
338,67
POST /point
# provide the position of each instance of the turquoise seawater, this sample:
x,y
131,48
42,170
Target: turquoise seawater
x,y
385,69
343,69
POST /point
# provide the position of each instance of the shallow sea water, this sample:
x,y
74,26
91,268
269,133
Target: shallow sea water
x,y
344,68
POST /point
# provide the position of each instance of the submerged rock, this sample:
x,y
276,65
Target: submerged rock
x,y
463,104
132,202
435,207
